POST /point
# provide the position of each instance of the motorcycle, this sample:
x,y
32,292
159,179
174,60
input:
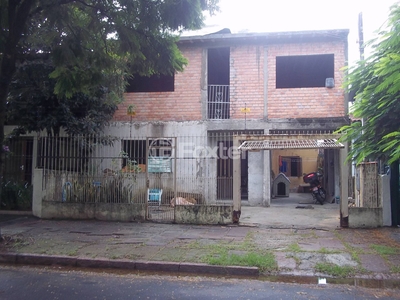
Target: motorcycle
x,y
317,191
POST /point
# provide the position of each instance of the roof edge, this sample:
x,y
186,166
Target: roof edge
x,y
332,34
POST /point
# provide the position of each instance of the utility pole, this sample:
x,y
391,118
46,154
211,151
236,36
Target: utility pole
x,y
361,35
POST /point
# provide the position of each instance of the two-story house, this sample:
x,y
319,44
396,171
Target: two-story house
x,y
179,130
253,84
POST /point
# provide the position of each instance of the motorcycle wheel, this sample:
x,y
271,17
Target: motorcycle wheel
x,y
319,199
322,193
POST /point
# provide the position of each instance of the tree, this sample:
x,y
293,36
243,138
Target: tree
x,y
376,82
88,40
33,106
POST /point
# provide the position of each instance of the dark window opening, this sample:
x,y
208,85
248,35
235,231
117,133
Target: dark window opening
x,y
136,149
290,166
154,83
218,66
303,71
218,106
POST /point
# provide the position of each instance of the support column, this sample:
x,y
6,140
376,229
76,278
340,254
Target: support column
x,y
37,196
236,180
337,174
344,187
267,178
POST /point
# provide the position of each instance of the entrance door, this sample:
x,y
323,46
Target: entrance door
x,y
224,171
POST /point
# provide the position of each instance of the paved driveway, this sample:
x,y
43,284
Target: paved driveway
x,y
297,210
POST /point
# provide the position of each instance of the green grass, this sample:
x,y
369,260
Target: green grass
x,y
334,270
323,250
354,252
395,269
385,250
294,248
73,253
265,262
220,254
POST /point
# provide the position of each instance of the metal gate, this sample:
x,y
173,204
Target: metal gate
x,y
161,170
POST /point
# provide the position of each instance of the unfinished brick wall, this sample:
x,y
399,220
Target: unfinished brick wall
x,y
318,102
249,74
247,81
183,104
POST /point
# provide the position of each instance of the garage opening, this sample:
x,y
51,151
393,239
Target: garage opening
x,y
324,142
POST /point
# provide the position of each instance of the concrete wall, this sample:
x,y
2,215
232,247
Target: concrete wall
x,y
184,214
255,178
210,214
360,217
99,211
384,194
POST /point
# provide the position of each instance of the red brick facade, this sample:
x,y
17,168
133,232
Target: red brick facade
x,y
252,68
306,102
184,104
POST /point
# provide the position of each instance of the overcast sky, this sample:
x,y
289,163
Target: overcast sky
x,y
293,15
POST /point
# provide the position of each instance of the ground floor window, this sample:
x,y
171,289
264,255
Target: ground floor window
x,y
290,165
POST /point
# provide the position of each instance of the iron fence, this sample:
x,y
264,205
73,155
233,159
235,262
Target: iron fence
x,y
188,169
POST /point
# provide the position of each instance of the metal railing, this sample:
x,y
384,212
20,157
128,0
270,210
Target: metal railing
x,y
88,169
218,103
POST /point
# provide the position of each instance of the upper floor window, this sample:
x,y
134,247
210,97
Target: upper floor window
x,y
303,71
154,83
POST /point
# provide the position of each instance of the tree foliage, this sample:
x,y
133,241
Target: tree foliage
x,y
376,82
84,43
34,107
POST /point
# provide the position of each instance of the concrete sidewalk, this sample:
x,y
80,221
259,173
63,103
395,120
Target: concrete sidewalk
x,y
354,253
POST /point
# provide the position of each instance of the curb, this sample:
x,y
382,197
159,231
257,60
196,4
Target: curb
x,y
122,264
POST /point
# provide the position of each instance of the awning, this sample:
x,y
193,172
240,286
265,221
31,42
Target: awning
x,y
290,144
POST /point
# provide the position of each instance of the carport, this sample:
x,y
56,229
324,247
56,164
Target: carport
x,y
288,141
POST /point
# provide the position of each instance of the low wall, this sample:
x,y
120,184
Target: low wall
x,y
204,214
362,217
101,211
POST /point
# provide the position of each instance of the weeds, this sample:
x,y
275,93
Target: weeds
x,y
323,250
294,248
385,250
354,252
335,270
395,269
220,254
265,262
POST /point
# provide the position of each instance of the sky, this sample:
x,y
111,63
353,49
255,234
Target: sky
x,y
242,16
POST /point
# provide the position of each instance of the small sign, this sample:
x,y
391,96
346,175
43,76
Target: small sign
x,y
159,164
245,110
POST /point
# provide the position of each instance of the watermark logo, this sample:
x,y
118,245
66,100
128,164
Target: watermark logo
x,y
220,151
161,148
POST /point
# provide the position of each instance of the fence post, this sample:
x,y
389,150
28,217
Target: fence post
x,y
37,196
236,180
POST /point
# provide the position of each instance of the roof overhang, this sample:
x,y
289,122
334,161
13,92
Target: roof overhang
x,y
281,142
267,37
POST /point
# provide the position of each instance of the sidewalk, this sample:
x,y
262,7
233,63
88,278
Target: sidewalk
x,y
353,253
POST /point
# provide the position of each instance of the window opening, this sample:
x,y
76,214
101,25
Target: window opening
x,y
290,165
218,105
304,71
154,83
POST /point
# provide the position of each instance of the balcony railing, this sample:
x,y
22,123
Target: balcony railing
x,y
218,104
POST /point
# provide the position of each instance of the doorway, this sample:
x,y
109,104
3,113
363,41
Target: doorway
x,y
225,172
